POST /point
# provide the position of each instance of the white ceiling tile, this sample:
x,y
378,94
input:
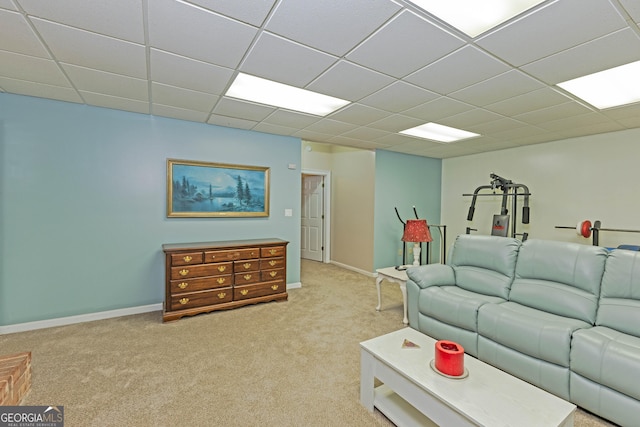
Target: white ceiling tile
x,y
7,4
275,129
470,118
349,81
30,68
438,108
398,97
550,29
196,33
182,98
116,18
590,57
178,113
403,45
396,123
544,115
504,86
17,36
180,71
534,100
241,109
330,126
41,90
573,122
290,119
231,122
92,50
358,114
91,80
255,14
116,103
284,61
632,7
398,65
498,127
451,73
365,133
333,26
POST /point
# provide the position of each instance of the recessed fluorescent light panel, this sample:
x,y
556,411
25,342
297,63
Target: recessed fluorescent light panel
x,y
263,91
608,88
438,132
474,17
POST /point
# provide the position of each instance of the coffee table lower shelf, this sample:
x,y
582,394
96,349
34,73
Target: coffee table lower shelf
x,y
397,410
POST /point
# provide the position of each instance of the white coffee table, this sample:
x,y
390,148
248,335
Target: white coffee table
x,y
396,276
413,394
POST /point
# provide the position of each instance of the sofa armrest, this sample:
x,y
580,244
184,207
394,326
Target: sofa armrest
x,y
432,275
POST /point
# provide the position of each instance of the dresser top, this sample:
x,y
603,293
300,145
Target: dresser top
x,y
220,244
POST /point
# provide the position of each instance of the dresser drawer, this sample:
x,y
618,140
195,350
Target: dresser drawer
x,y
246,278
267,275
271,263
258,290
187,258
191,285
246,265
231,254
272,251
198,299
202,270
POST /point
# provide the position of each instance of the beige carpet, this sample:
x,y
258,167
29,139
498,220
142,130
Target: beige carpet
x,y
293,363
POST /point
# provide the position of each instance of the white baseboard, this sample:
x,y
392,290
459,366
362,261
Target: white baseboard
x,y
357,270
89,317
296,285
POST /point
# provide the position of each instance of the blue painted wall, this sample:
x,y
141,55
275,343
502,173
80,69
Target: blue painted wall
x,y
404,181
83,204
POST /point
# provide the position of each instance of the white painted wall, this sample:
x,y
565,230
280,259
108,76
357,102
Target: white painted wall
x,y
572,180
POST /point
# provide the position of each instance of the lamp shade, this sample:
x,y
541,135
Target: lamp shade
x,y
416,230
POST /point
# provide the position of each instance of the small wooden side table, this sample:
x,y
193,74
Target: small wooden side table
x,y
396,276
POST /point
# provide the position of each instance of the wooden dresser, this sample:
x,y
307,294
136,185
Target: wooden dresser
x,y
209,276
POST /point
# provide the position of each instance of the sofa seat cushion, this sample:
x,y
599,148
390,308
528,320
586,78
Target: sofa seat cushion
x,y
532,332
608,357
454,306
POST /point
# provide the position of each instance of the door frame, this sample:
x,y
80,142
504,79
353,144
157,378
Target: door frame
x,y
326,207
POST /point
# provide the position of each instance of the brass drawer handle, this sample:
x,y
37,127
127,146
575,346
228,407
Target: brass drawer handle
x,y
183,285
246,265
273,273
183,301
273,251
187,258
221,280
184,272
222,268
272,263
222,295
244,292
274,287
247,277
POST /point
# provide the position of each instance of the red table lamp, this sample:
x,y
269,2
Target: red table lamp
x,y
416,231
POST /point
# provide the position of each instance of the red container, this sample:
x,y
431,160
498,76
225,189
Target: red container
x,y
449,358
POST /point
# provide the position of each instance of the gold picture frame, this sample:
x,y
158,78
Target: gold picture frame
x,y
201,189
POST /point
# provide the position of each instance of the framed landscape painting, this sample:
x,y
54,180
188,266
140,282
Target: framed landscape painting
x,y
200,189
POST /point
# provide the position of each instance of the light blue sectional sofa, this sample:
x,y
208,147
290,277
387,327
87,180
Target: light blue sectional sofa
x,y
562,316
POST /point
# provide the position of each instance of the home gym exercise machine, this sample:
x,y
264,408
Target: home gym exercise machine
x,y
586,229
443,238
500,225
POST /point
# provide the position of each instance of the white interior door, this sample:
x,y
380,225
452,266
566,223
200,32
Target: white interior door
x,y
312,222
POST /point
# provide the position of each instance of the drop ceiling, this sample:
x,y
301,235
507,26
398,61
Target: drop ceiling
x,y
399,66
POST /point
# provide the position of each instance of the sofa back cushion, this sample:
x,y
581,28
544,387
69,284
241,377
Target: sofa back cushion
x,y
620,294
485,264
560,278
